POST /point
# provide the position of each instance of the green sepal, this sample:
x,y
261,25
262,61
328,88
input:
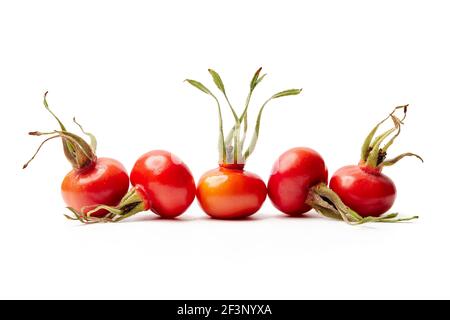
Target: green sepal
x,y
255,136
221,144
391,162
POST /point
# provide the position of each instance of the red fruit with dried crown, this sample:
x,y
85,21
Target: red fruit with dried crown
x,y
364,187
92,181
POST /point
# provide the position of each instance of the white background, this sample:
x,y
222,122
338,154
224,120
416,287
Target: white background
x,y
119,67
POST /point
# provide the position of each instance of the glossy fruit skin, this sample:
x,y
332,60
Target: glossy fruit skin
x,y
167,181
105,181
231,193
368,192
293,174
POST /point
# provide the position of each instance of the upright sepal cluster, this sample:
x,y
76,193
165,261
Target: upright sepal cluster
x,y
373,154
231,147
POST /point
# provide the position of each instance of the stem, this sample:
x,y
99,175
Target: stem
x,y
326,202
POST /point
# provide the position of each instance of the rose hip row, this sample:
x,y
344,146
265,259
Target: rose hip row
x,y
96,190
